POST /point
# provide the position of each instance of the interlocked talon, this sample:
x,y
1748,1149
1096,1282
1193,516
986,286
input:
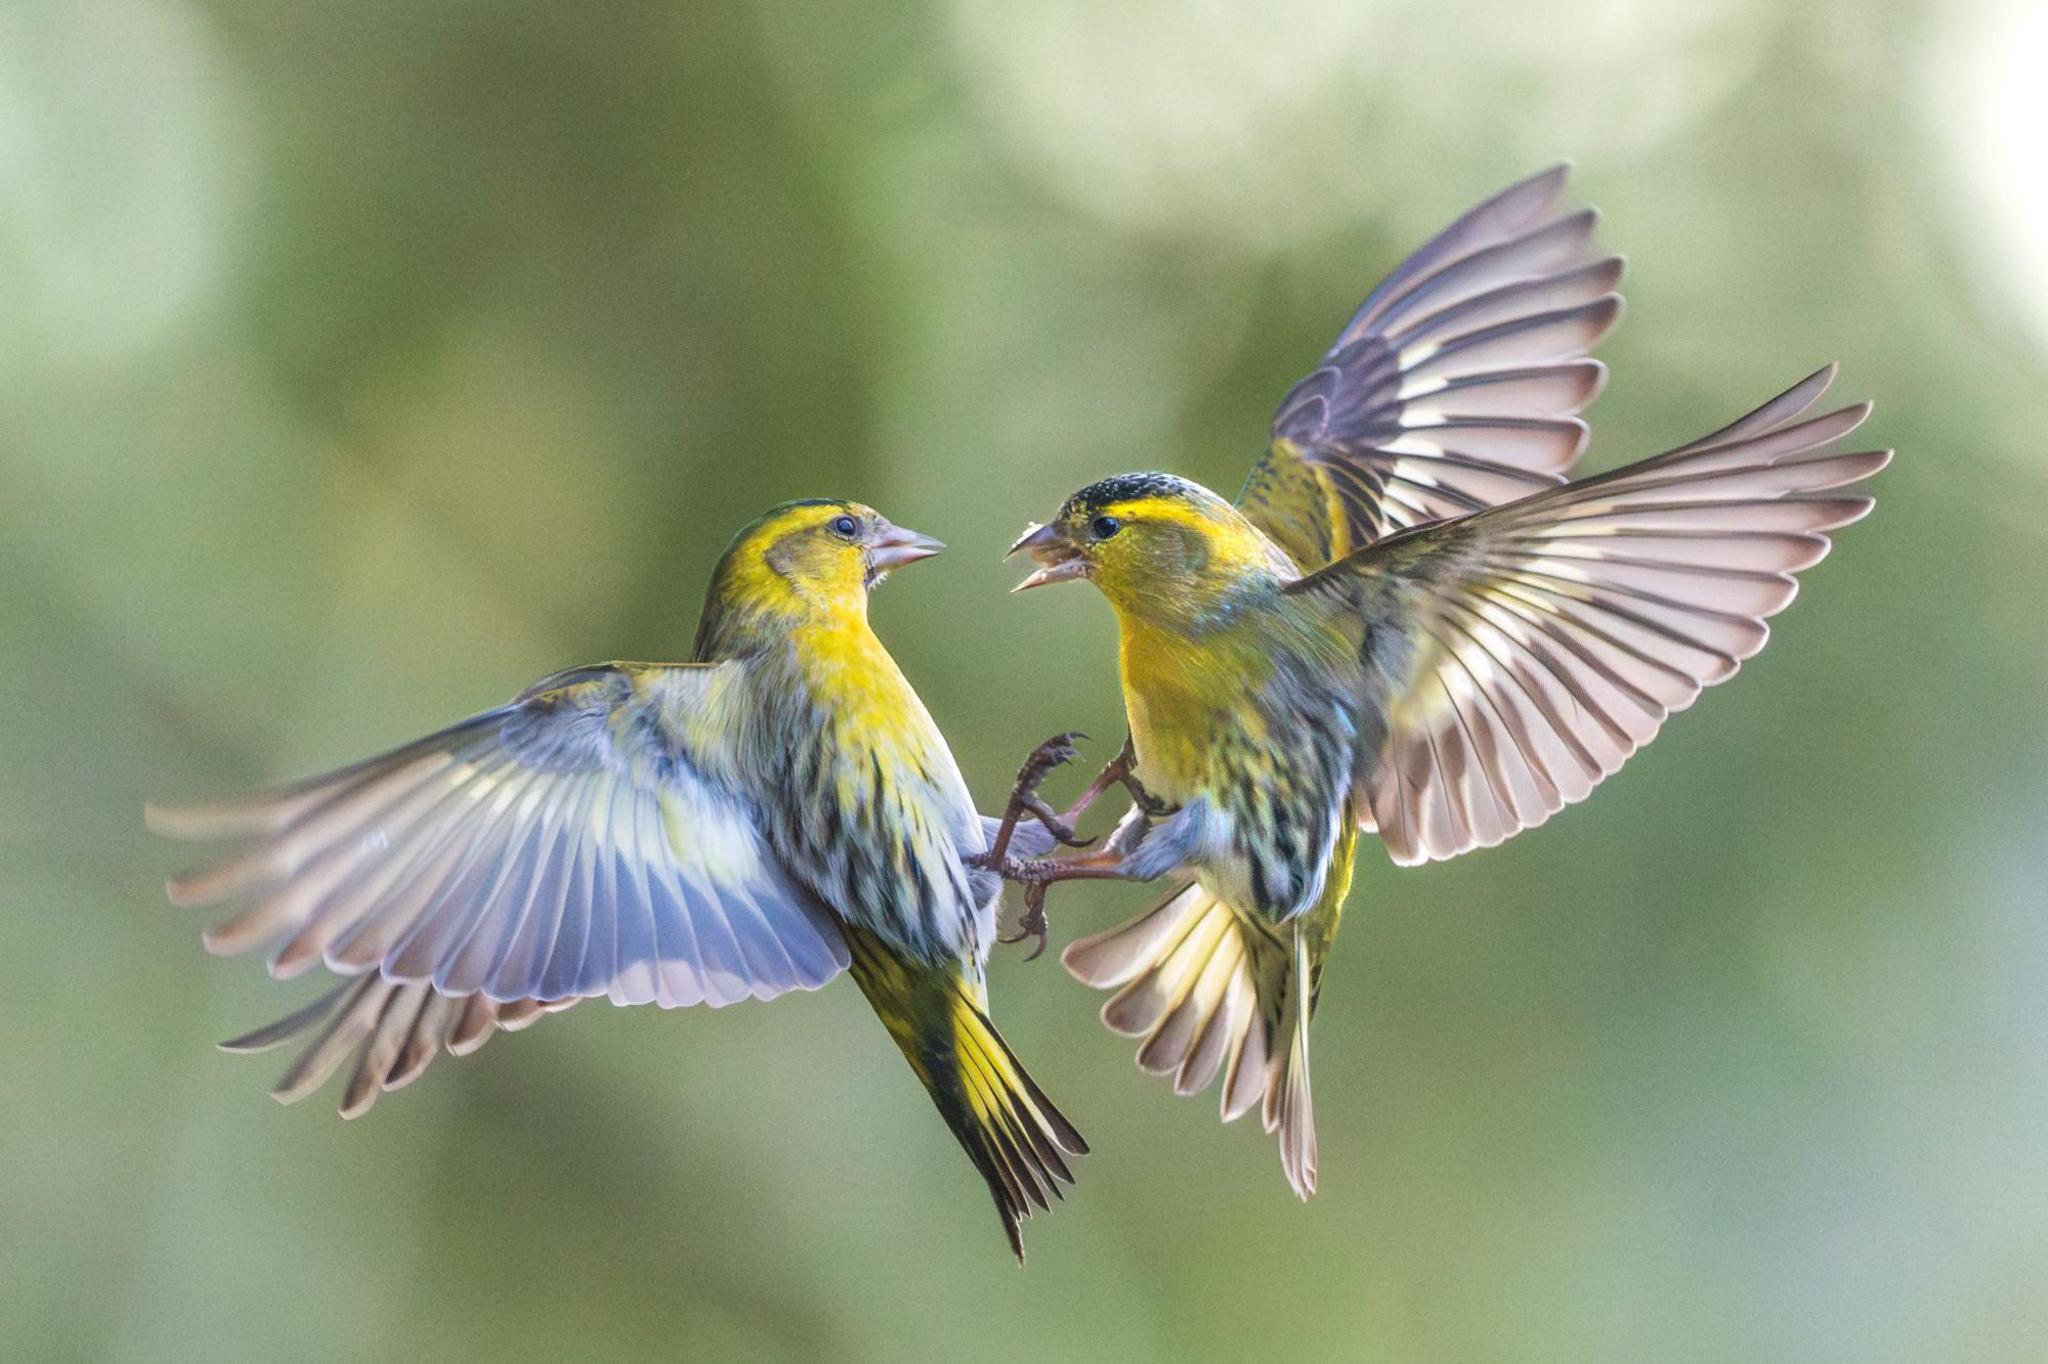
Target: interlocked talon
x,y
1036,873
1054,753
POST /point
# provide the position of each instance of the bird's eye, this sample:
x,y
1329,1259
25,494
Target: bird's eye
x,y
845,526
1105,526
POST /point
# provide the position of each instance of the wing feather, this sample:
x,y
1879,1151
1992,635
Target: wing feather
x,y
562,847
1547,639
1456,385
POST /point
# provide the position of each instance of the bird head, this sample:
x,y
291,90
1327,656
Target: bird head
x,y
802,561
1157,546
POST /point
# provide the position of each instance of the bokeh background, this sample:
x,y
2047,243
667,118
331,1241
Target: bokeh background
x,y
361,363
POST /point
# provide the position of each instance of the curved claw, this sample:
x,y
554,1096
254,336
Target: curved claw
x,y
1032,922
1057,751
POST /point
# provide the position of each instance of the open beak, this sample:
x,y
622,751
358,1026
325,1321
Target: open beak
x,y
895,547
1058,558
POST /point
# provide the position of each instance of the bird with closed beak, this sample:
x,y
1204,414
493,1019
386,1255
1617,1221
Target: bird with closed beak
x,y
1406,624
777,810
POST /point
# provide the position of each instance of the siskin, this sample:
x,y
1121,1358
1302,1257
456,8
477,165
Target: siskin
x,y
776,811
1407,624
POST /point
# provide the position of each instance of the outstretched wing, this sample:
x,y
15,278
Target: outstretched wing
x,y
393,1030
580,841
1523,653
1453,387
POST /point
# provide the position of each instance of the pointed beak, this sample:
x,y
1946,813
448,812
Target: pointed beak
x,y
1058,558
895,547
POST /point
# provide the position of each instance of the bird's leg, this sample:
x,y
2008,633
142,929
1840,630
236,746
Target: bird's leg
x,y
1055,752
1036,873
1122,770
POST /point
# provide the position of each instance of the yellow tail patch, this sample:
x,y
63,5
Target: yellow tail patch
x,y
1001,1118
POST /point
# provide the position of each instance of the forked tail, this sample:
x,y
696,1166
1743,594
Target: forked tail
x,y
1214,992
1004,1122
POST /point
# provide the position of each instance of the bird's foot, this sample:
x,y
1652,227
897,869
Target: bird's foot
x,y
1061,831
1032,923
1045,759
1054,753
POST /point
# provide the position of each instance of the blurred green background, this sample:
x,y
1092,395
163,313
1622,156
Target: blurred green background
x,y
361,363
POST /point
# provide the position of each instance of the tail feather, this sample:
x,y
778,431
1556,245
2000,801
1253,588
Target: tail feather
x,y
1211,993
1290,1109
1172,1044
1244,1078
1011,1131
1215,1044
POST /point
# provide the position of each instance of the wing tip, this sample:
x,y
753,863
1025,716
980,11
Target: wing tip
x,y
1579,443
1608,308
1551,179
1607,269
1595,382
222,941
1857,507
167,820
1810,389
195,821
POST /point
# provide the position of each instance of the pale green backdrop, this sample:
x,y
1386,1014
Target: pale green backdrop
x,y
360,363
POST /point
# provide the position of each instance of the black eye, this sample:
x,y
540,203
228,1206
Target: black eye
x,y
845,526
1105,526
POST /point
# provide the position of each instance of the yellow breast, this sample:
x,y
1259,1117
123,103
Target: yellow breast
x,y
1181,695
875,714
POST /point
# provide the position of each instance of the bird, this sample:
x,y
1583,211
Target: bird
x,y
774,811
1409,625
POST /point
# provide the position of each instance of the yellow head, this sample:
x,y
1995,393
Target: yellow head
x,y
810,562
1162,549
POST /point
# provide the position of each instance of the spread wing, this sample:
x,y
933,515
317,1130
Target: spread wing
x,y
1526,651
580,841
394,1030
1454,387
